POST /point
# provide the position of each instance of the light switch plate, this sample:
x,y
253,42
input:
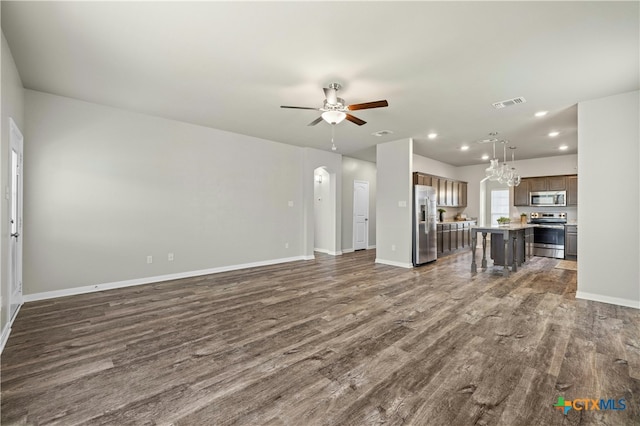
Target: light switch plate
x,y
402,204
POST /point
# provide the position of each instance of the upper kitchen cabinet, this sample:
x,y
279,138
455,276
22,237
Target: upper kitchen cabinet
x,y
462,193
537,184
521,193
449,192
442,193
572,190
556,183
547,183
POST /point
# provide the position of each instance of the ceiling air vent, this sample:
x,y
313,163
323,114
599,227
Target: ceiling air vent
x,y
382,133
509,102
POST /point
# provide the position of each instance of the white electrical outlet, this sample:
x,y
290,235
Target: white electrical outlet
x,y
286,245
290,203
149,259
402,204
393,247
170,257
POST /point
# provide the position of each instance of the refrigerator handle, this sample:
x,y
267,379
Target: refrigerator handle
x,y
427,216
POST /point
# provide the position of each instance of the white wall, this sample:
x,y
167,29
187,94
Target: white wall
x,y
393,205
12,95
609,246
434,167
105,188
353,169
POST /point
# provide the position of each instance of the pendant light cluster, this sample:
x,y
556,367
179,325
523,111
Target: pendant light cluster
x,y
503,173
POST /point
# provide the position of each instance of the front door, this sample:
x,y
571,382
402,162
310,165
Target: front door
x,y
15,218
360,214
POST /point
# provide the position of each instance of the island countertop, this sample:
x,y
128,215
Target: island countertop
x,y
501,228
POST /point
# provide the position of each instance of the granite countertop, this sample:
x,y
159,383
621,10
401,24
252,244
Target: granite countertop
x,y
514,226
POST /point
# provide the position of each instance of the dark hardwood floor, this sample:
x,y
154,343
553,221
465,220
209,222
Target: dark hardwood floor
x,y
335,341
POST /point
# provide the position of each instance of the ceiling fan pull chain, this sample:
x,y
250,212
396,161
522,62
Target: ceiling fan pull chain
x,y
333,135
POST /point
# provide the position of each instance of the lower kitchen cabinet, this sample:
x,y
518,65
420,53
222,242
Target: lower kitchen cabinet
x,y
571,242
453,236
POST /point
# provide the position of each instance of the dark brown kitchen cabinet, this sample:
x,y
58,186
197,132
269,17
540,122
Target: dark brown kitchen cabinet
x,y
537,184
521,193
435,183
449,192
547,183
572,190
452,193
571,242
443,234
452,237
569,183
556,183
442,193
462,194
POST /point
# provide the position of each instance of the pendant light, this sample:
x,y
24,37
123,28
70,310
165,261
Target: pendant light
x,y
502,173
492,171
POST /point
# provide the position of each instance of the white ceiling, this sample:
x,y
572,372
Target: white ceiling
x,y
230,65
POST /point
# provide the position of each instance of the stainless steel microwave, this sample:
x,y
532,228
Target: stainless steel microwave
x,y
548,198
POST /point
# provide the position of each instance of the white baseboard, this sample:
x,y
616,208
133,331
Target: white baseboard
x,y
394,263
350,250
332,253
5,336
7,330
608,299
148,280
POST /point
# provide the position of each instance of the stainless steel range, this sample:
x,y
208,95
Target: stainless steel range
x,y
548,235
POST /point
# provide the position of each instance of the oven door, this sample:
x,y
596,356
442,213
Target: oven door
x,y
548,241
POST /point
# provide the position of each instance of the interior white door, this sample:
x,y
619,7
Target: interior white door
x,y
15,213
360,214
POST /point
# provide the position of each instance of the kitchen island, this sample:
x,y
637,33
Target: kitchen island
x,y
511,237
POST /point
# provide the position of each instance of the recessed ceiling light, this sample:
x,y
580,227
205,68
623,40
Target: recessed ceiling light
x,y
554,134
563,148
432,135
541,113
464,147
485,157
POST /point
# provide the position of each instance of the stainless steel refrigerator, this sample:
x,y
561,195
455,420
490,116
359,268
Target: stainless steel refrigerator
x,y
424,224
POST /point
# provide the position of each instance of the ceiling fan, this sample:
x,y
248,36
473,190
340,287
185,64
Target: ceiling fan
x,y
334,109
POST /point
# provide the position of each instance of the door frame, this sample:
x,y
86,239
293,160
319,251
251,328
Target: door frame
x,y
16,143
366,232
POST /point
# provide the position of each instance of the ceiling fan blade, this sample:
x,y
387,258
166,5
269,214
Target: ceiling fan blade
x,y
355,120
316,121
368,105
331,95
295,107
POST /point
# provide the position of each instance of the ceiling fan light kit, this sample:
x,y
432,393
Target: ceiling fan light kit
x,y
333,117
